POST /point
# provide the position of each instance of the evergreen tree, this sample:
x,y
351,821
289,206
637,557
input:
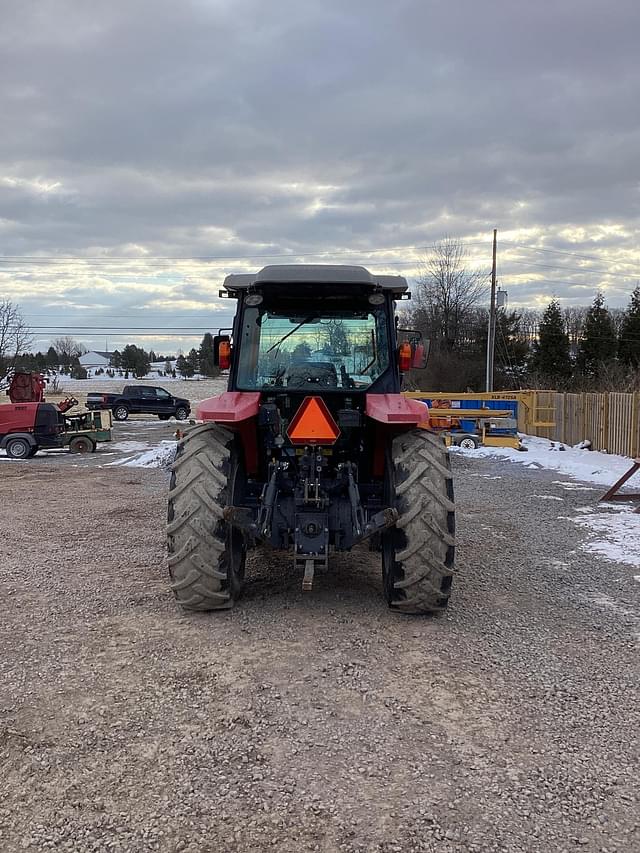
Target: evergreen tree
x,y
116,360
206,356
135,360
194,361
551,350
629,341
598,344
184,367
52,360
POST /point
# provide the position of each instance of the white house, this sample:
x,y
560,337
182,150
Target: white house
x,y
93,359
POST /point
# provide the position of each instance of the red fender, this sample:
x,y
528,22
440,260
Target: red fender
x,y
393,414
231,407
396,409
236,410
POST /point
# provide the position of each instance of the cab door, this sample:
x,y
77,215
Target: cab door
x,y
164,402
149,401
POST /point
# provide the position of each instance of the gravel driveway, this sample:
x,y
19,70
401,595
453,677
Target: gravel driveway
x,y
317,721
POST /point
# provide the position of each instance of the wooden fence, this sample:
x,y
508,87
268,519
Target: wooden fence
x,y
609,421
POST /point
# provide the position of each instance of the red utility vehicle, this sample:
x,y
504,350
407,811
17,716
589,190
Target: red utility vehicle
x,y
28,423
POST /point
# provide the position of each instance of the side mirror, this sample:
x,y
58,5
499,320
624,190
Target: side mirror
x,y
416,351
405,357
420,355
222,351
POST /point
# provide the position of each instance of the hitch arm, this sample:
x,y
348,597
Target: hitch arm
x,y
380,521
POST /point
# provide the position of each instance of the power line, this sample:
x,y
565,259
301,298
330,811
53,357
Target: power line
x,y
172,258
554,251
569,269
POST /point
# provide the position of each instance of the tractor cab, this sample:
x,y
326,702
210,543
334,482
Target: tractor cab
x,y
295,330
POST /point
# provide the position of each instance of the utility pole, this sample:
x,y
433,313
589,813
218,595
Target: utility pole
x,y
491,331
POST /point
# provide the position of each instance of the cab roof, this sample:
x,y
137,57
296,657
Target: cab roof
x,y
315,274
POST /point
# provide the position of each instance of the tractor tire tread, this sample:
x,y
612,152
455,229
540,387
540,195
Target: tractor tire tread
x,y
424,493
195,526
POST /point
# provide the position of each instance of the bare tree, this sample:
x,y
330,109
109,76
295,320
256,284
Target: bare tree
x,y
617,315
15,336
574,317
67,349
448,290
529,322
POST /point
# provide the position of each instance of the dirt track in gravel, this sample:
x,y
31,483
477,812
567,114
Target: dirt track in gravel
x,y
311,721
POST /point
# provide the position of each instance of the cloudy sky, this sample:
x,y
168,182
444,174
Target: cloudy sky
x,y
148,148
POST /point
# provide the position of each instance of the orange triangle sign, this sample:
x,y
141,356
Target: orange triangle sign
x,y
313,424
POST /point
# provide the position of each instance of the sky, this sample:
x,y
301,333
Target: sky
x,y
150,148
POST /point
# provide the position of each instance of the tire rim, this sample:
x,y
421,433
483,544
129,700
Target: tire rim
x,y
121,414
468,444
181,414
19,450
81,446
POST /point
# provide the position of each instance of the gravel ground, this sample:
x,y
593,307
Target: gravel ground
x,y
316,721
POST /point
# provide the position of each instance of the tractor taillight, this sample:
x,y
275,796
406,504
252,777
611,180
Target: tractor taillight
x,y
224,355
404,357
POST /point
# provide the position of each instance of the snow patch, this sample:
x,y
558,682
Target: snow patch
x,y
129,446
616,534
158,457
573,487
590,466
547,498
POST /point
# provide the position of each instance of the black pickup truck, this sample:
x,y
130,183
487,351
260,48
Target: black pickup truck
x,y
141,399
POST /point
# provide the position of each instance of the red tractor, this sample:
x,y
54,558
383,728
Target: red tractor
x,y
28,423
312,448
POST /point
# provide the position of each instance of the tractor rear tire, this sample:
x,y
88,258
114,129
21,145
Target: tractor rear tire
x,y
418,552
206,555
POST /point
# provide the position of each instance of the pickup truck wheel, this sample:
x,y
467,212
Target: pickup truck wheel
x,y
181,413
121,413
18,448
164,417
206,554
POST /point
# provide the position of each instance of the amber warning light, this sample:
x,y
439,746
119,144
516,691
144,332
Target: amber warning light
x,y
313,424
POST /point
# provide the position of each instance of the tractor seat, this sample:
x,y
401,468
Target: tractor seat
x,y
308,374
